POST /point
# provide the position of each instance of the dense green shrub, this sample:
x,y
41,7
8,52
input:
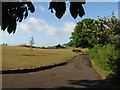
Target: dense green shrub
x,y
105,56
115,66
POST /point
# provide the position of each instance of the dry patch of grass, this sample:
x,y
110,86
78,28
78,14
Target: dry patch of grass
x,y
22,57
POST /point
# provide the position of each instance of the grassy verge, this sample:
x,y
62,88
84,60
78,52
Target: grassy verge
x,y
103,73
103,59
21,57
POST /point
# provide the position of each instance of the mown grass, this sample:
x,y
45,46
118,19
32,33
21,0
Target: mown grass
x,y
21,57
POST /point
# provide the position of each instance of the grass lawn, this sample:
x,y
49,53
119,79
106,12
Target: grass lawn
x,y
14,57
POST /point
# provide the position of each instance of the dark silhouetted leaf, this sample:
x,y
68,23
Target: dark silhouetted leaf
x,y
13,12
30,7
73,10
26,13
12,25
81,11
59,7
58,15
51,5
83,2
4,23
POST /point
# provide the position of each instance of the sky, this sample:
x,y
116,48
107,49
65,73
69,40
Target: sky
x,y
48,30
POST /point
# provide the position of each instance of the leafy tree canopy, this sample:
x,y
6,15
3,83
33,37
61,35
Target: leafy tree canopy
x,y
89,32
13,12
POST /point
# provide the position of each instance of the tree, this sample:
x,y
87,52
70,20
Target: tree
x,y
89,32
84,34
59,46
31,43
113,28
13,12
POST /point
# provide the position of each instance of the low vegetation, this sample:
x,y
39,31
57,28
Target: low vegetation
x,y
105,60
15,57
102,56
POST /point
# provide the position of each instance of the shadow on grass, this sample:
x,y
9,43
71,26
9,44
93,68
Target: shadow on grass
x,y
20,71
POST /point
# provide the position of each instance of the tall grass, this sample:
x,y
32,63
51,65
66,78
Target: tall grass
x,y
104,58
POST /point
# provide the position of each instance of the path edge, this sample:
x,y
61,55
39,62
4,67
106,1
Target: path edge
x,y
28,70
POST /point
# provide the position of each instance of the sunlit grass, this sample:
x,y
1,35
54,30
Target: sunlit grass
x,y
103,73
22,57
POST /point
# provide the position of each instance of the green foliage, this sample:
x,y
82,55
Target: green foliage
x,y
107,55
114,63
103,55
59,46
89,32
50,47
107,58
55,47
36,47
70,43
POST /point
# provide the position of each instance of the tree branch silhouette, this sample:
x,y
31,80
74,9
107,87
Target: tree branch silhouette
x,y
13,12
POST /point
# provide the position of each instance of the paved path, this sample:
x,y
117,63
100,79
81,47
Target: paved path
x,y
77,73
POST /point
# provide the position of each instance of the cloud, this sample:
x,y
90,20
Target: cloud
x,y
3,35
24,27
42,8
41,25
53,31
68,27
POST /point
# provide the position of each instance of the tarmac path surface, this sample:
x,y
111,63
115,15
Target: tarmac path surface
x,y
77,73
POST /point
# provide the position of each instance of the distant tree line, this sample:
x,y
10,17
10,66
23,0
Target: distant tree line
x,y
4,44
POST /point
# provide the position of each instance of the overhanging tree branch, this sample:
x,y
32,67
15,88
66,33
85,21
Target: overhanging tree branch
x,y
13,12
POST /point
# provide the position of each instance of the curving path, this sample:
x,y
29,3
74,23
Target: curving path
x,y
77,73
